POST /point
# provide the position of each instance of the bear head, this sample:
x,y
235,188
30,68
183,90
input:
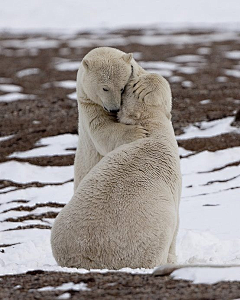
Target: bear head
x,y
106,73
155,99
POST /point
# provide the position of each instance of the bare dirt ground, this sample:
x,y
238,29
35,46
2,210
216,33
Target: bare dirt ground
x,y
53,113
113,286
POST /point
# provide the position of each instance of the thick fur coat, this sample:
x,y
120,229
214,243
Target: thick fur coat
x,y
124,212
102,77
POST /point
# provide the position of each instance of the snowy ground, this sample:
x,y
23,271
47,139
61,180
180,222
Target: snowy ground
x,y
81,14
209,211
210,200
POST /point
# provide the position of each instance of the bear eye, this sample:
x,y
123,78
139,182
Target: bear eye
x,y
105,90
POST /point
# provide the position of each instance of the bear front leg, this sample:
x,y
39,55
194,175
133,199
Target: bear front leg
x,y
105,132
172,257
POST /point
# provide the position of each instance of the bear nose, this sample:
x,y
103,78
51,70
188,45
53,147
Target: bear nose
x,y
114,111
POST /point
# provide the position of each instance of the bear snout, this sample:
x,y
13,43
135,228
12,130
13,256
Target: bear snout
x,y
113,111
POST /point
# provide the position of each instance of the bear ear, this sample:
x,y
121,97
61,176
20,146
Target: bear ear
x,y
86,64
127,57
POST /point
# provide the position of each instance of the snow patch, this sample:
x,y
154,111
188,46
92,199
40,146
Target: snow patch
x,y
66,84
187,70
64,296
54,145
68,66
158,65
207,101
66,286
73,96
176,79
15,97
233,73
187,84
23,172
233,54
204,51
10,88
40,43
207,275
27,72
221,79
187,58
209,129
5,138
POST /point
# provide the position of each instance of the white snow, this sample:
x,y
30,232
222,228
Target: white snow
x,y
166,68
176,79
5,138
205,101
64,296
183,39
208,161
233,73
233,54
40,43
205,235
183,152
55,145
24,172
137,55
187,70
27,72
73,96
82,15
157,39
208,129
221,79
16,96
57,193
37,211
68,66
158,65
10,88
187,84
204,51
66,84
210,193
66,286
208,275
187,58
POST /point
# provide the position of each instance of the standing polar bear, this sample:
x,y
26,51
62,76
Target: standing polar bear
x,y
124,212
102,77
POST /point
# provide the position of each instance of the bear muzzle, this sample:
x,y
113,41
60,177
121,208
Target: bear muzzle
x,y
113,111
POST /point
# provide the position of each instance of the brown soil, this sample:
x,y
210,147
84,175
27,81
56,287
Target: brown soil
x,y
112,286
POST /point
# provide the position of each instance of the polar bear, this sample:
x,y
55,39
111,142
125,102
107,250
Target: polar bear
x,y
101,79
124,212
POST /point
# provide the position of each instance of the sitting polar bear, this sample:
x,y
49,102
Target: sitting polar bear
x,y
124,213
102,77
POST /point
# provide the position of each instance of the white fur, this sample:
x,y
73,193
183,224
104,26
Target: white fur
x,y
99,132
124,213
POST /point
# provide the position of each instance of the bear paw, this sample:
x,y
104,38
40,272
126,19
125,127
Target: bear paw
x,y
135,132
146,85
